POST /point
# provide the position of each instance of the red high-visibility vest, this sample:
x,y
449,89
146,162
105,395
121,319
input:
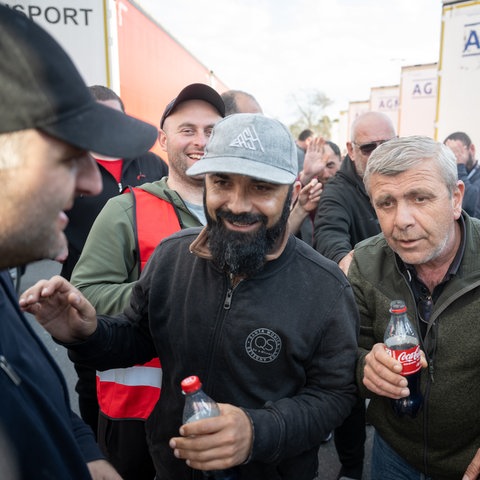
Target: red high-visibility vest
x,y
133,392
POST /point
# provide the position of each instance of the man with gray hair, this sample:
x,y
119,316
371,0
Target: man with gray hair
x,y
427,255
236,303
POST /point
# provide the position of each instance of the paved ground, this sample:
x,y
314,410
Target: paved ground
x,y
329,464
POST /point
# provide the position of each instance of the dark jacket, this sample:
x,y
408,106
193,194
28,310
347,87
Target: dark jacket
x,y
136,171
272,345
48,439
445,436
345,215
471,198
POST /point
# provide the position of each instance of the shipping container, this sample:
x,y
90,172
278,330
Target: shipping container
x,y
117,44
458,99
418,100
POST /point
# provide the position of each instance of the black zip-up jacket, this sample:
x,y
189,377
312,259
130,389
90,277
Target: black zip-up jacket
x,y
135,171
281,345
345,215
48,440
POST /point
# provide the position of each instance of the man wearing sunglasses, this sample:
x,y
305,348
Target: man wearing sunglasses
x,y
345,217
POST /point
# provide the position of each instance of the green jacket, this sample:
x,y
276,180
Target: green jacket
x,y
445,436
109,264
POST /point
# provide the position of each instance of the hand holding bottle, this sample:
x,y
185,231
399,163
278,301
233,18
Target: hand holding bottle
x,y
215,443
403,343
383,373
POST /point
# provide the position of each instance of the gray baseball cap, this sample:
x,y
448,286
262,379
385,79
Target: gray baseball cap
x,y
250,144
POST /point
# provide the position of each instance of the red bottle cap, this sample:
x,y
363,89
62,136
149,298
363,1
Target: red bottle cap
x,y
398,306
191,384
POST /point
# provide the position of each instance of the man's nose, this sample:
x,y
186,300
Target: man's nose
x,y
201,139
404,215
89,180
239,201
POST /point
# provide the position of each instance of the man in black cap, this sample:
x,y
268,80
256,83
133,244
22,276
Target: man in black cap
x,y
122,237
48,123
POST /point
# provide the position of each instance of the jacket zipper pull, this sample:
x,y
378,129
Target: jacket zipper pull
x,y
228,299
430,370
120,187
5,366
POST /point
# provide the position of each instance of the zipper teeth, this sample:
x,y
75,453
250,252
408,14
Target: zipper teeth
x,y
219,325
5,366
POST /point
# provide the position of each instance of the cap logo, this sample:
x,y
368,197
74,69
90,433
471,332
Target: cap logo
x,y
248,139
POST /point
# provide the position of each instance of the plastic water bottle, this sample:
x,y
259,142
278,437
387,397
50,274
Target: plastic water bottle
x,y
403,344
199,405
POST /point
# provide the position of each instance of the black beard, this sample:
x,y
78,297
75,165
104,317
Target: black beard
x,y
243,254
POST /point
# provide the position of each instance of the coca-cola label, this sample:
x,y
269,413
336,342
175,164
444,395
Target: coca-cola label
x,y
410,359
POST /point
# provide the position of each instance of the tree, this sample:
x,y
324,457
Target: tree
x,y
310,106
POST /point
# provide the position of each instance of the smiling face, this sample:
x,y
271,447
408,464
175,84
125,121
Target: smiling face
x,y
185,134
417,214
38,185
246,218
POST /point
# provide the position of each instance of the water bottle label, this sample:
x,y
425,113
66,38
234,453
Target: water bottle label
x,y
409,358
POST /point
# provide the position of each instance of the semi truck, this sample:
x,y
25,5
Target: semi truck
x,y
117,44
458,98
385,99
418,100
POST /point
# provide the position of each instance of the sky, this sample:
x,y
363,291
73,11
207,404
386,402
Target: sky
x,y
278,50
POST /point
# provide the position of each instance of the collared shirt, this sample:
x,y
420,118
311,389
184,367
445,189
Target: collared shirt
x,y
423,297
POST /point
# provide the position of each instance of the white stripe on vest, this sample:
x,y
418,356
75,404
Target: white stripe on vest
x,y
133,376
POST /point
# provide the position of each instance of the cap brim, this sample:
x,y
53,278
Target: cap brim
x,y
242,166
104,130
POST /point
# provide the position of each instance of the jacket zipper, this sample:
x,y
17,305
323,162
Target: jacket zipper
x,y
5,366
219,325
228,299
439,310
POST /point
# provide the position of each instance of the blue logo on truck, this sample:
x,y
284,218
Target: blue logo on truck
x,y
471,35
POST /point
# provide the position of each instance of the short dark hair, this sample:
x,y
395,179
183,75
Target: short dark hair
x,y
335,148
462,136
304,134
100,92
230,100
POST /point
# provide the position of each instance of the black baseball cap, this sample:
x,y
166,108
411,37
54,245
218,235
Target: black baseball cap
x,y
41,88
195,91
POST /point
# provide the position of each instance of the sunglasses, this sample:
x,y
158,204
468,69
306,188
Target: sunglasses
x,y
368,148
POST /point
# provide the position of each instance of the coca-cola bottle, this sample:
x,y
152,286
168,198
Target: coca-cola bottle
x,y
403,344
199,405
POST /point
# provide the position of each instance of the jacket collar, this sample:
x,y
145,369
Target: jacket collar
x,y
348,171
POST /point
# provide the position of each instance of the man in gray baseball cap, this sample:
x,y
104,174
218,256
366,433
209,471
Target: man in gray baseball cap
x,y
266,322
250,144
